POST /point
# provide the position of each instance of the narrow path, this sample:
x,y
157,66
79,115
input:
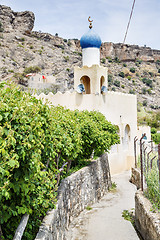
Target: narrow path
x,y
105,221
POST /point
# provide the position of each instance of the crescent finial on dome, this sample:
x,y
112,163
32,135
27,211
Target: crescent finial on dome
x,y
90,22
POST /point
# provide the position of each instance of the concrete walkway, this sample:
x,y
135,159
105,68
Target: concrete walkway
x,y
105,221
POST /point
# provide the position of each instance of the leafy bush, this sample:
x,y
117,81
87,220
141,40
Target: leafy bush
x,y
109,59
66,58
35,141
132,70
121,74
124,65
132,91
103,60
69,43
116,59
117,83
110,79
145,103
156,138
144,90
129,77
32,69
151,74
1,28
148,82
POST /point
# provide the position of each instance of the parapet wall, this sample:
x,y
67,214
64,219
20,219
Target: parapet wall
x,y
75,193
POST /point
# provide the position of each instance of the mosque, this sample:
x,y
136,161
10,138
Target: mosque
x,y
90,84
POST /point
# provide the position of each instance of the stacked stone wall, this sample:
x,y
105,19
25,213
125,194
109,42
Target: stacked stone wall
x,y
75,193
136,177
147,221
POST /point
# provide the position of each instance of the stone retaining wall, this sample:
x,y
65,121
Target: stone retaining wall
x,y
77,191
147,222
136,177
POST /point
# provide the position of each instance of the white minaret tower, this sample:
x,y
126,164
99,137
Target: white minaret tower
x,y
90,43
91,78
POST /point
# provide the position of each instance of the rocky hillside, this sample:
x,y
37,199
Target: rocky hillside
x,y
132,69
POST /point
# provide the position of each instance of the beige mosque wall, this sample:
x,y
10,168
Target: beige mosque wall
x,y
118,108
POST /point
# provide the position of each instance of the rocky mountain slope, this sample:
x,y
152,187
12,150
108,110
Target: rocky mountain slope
x,y
132,69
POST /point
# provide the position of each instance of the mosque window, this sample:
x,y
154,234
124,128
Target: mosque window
x,y
86,82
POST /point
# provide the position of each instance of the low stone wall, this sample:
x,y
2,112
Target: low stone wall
x,y
77,191
147,222
136,177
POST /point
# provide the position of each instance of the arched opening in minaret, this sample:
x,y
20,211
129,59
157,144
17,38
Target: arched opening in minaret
x,y
86,82
102,80
126,138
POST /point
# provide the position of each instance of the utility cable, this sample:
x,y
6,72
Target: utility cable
x,y
129,22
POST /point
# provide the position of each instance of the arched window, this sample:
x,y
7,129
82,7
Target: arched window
x,y
126,138
86,82
102,80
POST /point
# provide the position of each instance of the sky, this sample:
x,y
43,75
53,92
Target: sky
x,y
69,18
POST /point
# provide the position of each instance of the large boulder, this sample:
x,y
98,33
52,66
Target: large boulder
x,y
16,21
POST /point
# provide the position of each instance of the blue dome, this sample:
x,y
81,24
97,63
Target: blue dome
x,y
90,39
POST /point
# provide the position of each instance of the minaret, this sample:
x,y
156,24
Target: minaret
x,y
90,43
91,78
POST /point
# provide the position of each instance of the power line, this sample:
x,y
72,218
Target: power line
x,y
129,22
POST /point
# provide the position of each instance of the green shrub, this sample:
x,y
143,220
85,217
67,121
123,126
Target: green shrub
x,y
1,28
60,46
144,90
113,89
159,70
124,65
156,138
116,59
121,74
153,130
145,103
129,77
109,59
138,61
69,43
132,91
117,83
103,60
32,69
132,70
110,79
78,53
66,58
151,74
149,91
148,82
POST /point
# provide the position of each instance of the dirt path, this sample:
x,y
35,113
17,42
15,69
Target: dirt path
x,y
104,221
